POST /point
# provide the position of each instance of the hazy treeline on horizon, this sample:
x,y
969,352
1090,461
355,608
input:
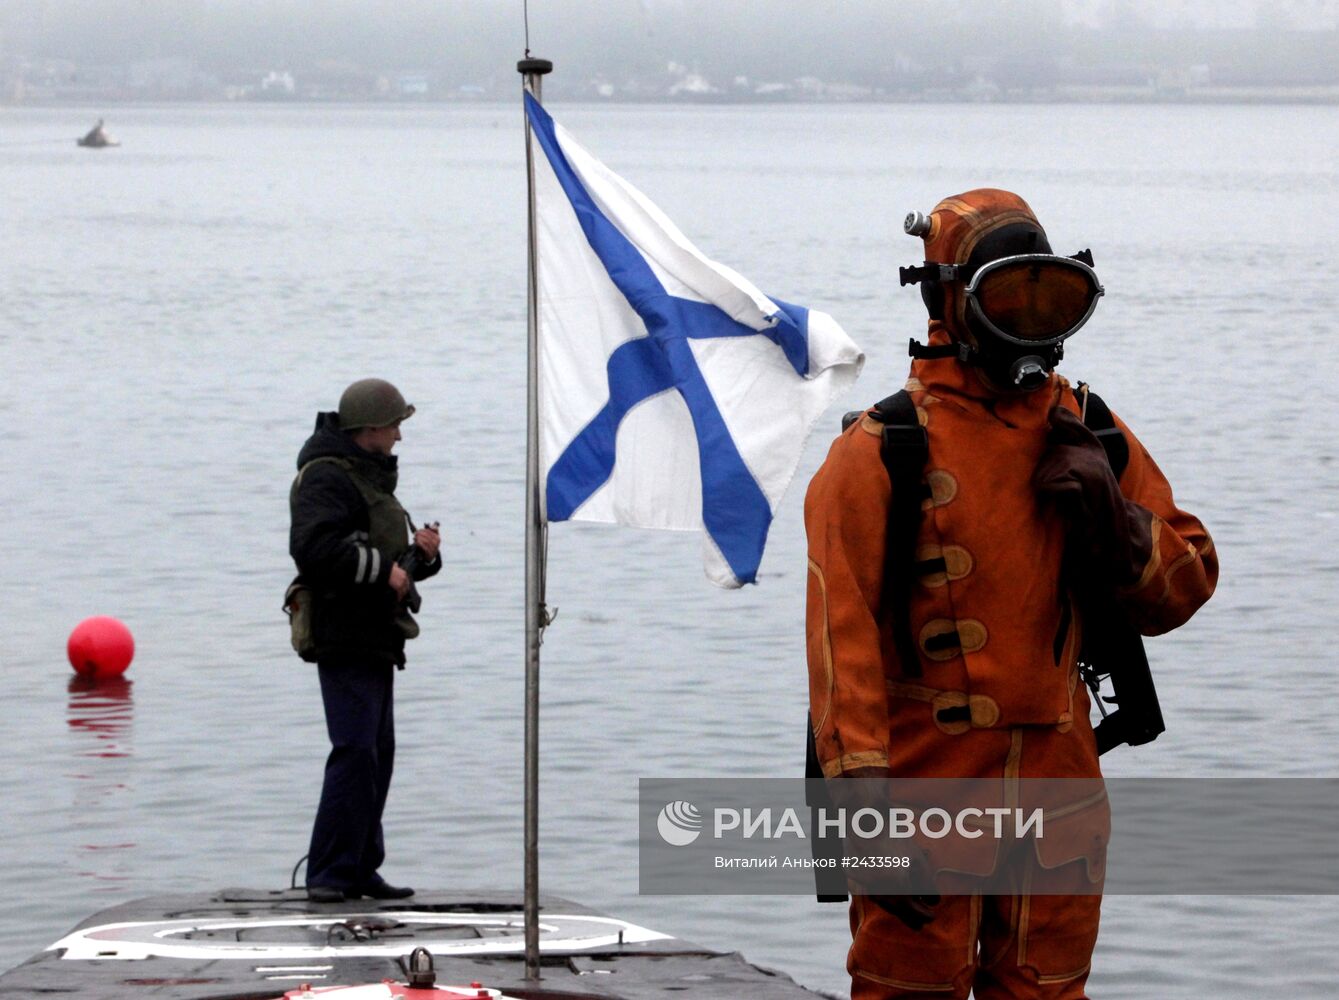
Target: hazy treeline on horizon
x,y
868,42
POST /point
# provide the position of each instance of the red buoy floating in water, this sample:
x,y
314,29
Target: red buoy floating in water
x,y
100,647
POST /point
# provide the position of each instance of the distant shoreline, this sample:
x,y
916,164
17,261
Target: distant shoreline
x,y
1328,95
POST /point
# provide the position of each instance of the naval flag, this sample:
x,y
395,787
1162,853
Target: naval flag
x,y
672,393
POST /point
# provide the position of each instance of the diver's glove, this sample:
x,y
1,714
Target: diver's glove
x,y
1106,530
906,891
913,909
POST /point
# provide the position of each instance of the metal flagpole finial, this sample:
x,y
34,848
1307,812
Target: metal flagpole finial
x,y
539,67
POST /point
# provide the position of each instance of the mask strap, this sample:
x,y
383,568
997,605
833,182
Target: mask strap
x,y
928,272
963,352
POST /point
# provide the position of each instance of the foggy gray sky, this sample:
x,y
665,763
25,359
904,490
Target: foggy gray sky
x,y
464,41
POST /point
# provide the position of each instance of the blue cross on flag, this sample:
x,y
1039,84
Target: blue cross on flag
x,y
673,393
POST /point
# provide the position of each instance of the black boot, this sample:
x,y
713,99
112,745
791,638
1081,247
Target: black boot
x,y
379,888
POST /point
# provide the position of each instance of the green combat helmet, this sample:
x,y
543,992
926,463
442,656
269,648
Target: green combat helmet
x,y
372,402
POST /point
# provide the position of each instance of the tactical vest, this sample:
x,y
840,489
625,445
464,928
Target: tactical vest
x,y
387,521
386,532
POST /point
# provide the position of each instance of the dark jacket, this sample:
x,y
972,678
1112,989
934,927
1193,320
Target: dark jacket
x,y
355,607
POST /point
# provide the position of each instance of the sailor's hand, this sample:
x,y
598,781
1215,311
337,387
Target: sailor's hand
x,y
429,540
399,581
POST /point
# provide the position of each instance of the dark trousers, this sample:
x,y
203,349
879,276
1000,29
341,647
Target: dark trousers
x,y
347,846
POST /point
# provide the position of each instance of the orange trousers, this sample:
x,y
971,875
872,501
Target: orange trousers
x,y
1027,947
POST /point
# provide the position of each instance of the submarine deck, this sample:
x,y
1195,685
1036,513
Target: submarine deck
x,y
242,944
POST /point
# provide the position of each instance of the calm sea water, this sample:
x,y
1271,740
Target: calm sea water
x,y
174,312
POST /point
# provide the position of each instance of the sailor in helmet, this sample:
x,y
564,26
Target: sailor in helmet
x,y
356,556
956,654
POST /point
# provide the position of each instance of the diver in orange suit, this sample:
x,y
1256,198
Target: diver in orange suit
x,y
1014,484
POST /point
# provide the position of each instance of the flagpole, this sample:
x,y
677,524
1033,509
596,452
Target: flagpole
x,y
536,616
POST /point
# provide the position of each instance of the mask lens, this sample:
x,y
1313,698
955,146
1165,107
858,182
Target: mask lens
x,y
1039,300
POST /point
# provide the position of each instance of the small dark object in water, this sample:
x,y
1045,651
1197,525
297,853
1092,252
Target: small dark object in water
x,y
97,138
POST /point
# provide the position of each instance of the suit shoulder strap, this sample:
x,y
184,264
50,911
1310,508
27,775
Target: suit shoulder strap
x,y
906,447
905,450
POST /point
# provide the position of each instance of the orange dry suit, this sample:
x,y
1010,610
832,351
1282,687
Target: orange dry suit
x,y
997,634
